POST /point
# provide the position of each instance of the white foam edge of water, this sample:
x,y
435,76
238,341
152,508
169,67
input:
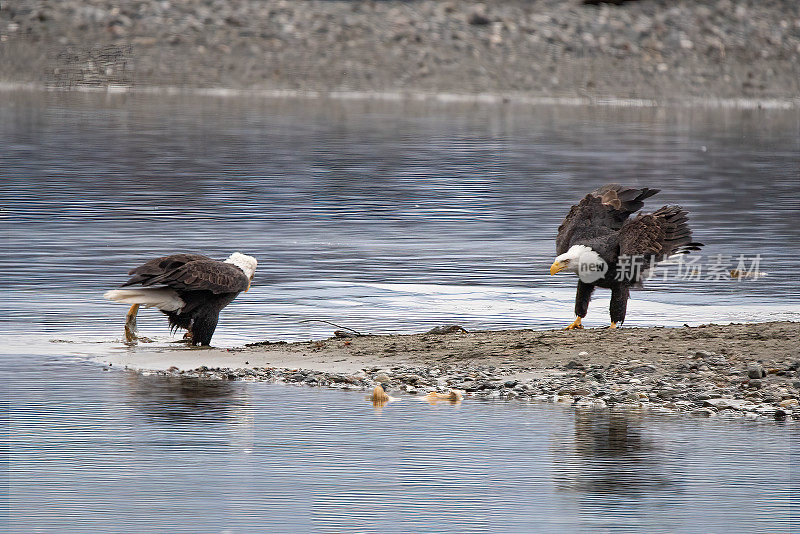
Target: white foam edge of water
x,y
421,96
489,301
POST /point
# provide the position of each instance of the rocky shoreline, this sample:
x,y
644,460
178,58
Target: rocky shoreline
x,y
664,51
741,371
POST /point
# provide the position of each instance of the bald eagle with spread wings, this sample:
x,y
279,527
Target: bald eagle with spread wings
x,y
599,242
190,289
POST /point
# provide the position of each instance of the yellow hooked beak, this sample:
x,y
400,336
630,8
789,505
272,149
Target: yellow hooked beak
x,y
558,266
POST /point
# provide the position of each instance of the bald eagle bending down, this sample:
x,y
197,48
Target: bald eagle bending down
x,y
190,289
597,238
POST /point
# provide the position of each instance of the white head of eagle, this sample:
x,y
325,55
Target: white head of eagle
x,y
583,261
246,263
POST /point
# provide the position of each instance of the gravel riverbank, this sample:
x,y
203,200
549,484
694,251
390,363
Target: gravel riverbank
x,y
667,51
750,370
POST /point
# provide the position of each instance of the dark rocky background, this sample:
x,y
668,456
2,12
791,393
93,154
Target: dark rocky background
x,y
641,49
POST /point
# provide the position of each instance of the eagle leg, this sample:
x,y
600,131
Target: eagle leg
x,y
612,326
130,324
619,304
582,297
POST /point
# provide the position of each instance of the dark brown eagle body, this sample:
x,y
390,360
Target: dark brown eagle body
x,y
159,266
601,221
204,287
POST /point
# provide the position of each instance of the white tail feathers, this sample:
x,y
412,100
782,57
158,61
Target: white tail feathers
x,y
162,298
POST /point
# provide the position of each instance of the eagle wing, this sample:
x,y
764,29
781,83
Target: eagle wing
x,y
599,213
160,266
659,234
203,275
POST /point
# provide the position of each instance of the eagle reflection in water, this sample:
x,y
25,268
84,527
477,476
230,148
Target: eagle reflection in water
x,y
612,456
171,400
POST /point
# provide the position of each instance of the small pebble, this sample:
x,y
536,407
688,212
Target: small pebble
x,y
756,371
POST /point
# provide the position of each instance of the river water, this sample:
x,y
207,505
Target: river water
x,y
383,217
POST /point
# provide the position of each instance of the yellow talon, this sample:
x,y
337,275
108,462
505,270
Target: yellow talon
x,y
612,326
576,324
130,324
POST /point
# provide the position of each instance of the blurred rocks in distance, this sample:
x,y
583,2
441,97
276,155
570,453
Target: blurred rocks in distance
x,y
638,49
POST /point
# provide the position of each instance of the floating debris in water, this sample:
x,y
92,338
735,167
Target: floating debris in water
x,y
453,397
738,274
447,329
379,398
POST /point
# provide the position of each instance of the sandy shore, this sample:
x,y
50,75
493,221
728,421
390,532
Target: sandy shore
x,y
747,370
656,51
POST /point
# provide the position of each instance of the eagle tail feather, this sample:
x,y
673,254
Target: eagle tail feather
x,y
163,298
677,234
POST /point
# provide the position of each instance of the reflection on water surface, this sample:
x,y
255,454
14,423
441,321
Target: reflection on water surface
x,y
384,218
95,450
